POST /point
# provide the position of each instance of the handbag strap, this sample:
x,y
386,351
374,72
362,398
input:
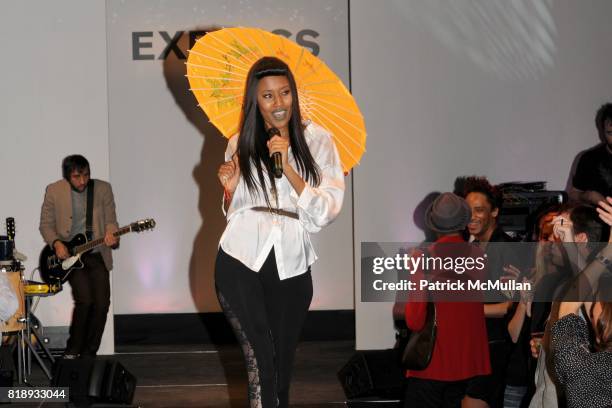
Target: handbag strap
x,y
431,307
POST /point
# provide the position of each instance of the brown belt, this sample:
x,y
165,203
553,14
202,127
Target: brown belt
x,y
276,211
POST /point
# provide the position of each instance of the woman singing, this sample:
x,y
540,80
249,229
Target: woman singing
x,y
262,270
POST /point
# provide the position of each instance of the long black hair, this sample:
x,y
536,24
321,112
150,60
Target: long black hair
x,y
252,147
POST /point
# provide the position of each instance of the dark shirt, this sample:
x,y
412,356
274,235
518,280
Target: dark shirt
x,y
497,258
586,376
594,171
517,370
500,236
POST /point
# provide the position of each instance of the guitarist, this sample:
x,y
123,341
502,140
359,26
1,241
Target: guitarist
x,y
63,216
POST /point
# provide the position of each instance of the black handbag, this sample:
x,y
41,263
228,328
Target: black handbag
x,y
419,348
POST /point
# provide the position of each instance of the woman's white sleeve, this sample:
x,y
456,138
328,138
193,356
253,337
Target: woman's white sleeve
x,y
319,206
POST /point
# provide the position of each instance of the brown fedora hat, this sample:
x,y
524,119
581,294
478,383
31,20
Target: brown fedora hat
x,y
448,213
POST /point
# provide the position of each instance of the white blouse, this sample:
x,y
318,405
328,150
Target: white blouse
x,y
250,235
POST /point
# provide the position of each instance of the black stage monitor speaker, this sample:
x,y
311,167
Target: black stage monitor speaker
x,y
6,380
373,403
117,385
95,380
74,374
373,373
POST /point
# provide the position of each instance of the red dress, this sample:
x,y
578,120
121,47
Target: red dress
x,y
461,350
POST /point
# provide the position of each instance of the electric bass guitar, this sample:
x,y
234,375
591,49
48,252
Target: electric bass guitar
x,y
52,269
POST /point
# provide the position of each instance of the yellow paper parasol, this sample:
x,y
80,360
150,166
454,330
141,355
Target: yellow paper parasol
x,y
217,68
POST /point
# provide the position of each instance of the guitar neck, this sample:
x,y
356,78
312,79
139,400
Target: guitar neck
x,y
97,242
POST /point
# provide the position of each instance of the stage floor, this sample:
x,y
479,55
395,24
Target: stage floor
x,y
214,376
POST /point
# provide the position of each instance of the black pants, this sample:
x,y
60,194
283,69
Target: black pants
x,y
490,388
267,315
434,394
91,294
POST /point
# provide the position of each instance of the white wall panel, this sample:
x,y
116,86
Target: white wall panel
x,y
164,155
53,87
503,89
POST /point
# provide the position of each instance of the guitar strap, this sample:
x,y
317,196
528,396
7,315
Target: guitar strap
x,y
89,213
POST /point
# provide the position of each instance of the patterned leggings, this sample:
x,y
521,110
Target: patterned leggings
x,y
267,315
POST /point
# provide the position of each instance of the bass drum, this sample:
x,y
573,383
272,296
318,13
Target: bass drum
x,y
16,322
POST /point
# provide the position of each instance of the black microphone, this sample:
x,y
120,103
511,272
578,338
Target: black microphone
x,y
277,159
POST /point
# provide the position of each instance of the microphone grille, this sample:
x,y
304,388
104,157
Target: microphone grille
x,y
273,132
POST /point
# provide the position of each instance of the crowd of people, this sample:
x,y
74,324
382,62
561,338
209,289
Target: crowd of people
x,y
549,347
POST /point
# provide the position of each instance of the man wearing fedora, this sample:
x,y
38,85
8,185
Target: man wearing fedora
x,y
460,353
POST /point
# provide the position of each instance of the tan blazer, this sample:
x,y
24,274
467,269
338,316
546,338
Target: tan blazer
x,y
56,214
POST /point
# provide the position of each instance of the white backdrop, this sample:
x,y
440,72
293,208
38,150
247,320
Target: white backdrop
x,y
506,89
164,155
53,87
